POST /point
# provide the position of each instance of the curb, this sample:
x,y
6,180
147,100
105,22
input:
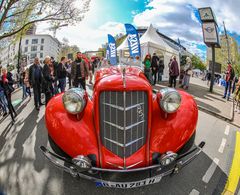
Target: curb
x,y
234,174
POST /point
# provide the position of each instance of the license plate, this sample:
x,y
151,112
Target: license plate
x,y
134,184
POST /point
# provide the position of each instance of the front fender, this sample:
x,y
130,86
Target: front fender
x,y
74,136
171,131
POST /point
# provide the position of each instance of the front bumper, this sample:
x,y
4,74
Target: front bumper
x,y
129,178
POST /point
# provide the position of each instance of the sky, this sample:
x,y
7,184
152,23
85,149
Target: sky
x,y
174,18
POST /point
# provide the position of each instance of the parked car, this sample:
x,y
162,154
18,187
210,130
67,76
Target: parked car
x,y
125,129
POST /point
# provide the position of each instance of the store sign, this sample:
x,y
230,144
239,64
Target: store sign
x,y
210,33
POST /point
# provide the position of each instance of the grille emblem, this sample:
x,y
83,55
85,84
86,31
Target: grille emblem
x,y
140,112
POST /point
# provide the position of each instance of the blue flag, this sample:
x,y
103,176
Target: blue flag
x,y
133,41
112,50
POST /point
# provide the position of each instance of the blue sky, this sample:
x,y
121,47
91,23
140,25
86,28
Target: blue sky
x,y
175,18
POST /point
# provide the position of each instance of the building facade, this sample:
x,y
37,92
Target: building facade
x,y
221,54
35,45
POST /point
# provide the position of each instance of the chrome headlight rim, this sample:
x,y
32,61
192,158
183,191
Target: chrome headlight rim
x,y
74,100
167,93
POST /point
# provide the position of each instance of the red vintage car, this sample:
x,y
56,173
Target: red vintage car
x,y
125,129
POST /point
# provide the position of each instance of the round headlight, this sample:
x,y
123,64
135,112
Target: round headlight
x,y
74,100
170,100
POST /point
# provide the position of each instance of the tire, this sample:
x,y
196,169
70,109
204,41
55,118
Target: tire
x,y
188,145
56,148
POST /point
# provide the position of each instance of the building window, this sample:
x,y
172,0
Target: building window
x,y
41,48
33,55
42,41
34,41
26,41
34,48
41,55
26,49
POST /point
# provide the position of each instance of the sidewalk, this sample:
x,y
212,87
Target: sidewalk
x,y
212,103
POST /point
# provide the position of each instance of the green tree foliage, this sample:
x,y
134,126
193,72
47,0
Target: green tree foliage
x,y
16,15
68,49
198,63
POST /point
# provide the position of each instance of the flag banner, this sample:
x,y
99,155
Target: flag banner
x,y
133,41
112,50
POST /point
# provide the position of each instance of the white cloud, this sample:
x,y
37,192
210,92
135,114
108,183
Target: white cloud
x,y
175,18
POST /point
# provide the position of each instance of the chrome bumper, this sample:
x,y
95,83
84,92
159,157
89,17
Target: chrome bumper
x,y
154,173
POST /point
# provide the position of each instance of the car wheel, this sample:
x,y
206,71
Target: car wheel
x,y
188,145
56,148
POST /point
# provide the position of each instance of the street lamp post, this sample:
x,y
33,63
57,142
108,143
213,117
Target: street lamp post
x,y
210,35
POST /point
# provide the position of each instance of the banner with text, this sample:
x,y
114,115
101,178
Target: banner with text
x,y
112,50
133,41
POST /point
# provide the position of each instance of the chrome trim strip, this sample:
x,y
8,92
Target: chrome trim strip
x,y
114,106
134,106
134,141
133,125
123,145
117,121
122,128
120,167
122,108
124,122
112,141
114,125
110,109
104,115
133,165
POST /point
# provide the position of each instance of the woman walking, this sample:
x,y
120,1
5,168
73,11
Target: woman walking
x,y
27,84
174,72
48,79
187,73
6,83
3,101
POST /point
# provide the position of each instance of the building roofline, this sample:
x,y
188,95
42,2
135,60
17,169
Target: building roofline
x,y
45,35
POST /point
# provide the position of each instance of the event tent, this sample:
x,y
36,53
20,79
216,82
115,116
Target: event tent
x,y
151,43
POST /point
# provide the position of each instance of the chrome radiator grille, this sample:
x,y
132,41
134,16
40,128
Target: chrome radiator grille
x,y
123,121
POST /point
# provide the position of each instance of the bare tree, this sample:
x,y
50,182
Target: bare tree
x,y
16,15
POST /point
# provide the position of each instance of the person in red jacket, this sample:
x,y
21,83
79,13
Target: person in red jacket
x,y
229,78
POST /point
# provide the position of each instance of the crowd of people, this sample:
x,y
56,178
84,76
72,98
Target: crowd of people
x,y
49,78
154,68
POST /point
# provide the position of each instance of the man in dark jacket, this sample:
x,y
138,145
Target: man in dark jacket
x,y
35,80
55,74
229,78
160,70
79,71
174,72
62,74
154,65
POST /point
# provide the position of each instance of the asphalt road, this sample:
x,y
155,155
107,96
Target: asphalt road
x,y
25,171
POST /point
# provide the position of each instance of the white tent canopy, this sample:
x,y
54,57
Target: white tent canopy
x,y
152,39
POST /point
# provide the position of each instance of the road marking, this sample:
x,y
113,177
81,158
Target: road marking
x,y
194,192
226,132
234,174
222,146
209,173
